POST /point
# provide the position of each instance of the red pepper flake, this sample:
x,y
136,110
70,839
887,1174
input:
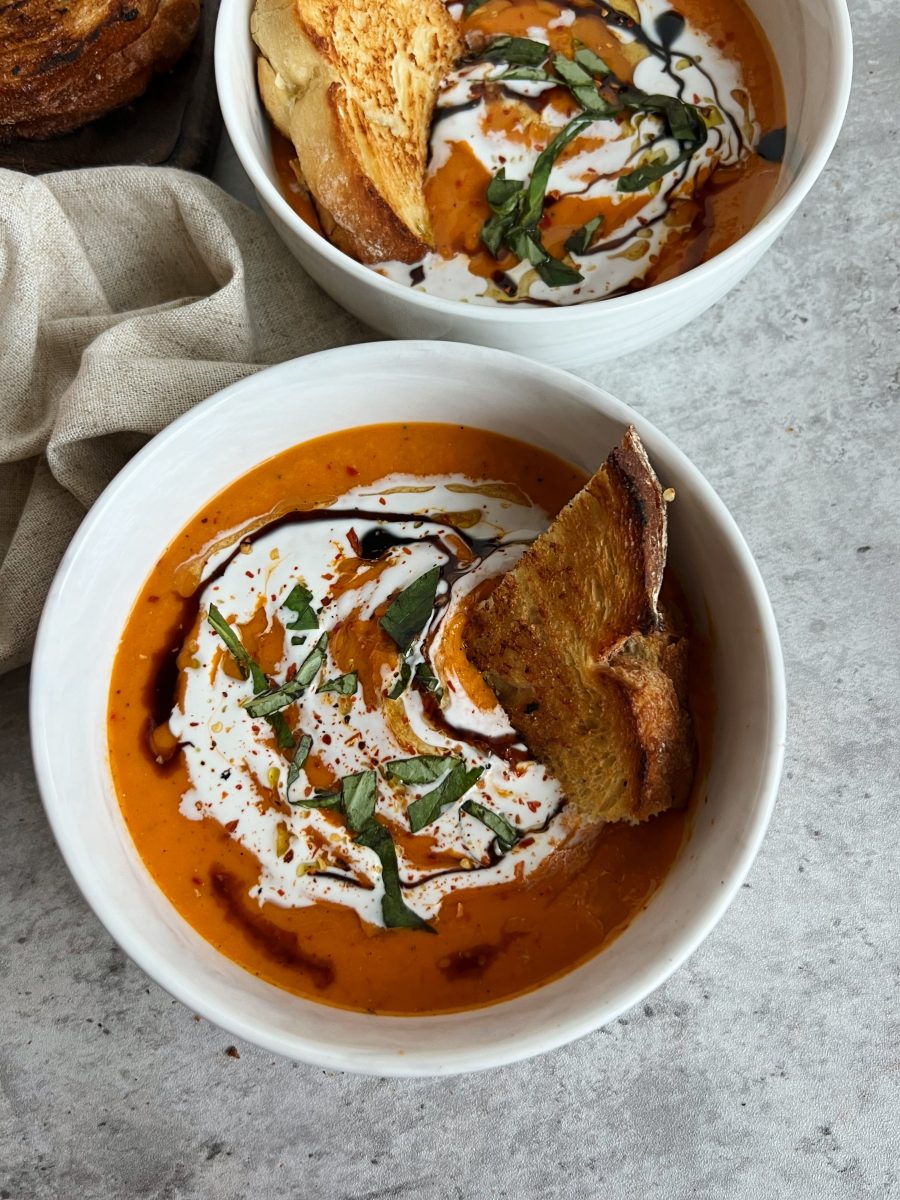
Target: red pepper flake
x,y
526,842
354,542
534,805
381,500
291,671
352,470
289,857
231,826
249,574
326,738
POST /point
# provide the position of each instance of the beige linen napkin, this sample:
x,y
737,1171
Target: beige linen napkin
x,y
127,294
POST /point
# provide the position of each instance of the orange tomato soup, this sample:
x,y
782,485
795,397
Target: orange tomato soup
x,y
710,216
490,942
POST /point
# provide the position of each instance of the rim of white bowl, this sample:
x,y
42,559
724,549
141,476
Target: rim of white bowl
x,y
768,227
297,1046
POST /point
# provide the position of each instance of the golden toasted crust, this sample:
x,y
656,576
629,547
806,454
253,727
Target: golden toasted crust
x,y
574,646
64,64
353,85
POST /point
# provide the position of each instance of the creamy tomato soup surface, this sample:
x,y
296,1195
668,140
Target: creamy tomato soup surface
x,y
313,772
585,149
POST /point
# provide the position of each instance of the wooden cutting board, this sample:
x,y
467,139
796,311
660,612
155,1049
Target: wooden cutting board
x,y
176,123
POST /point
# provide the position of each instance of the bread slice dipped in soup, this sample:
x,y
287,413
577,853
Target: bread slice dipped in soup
x,y
394,735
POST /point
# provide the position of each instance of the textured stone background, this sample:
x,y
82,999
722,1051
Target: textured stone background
x,y
768,1066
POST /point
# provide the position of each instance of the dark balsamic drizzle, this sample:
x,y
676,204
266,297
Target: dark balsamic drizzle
x,y
668,28
771,145
373,544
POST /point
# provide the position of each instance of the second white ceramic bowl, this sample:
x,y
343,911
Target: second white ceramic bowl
x,y
218,441
812,43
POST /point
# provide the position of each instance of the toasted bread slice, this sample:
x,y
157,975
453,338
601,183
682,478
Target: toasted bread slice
x,y
573,644
62,65
353,85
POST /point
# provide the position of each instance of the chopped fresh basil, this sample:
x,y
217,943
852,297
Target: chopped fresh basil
x,y
299,601
394,909
283,735
580,241
585,57
409,612
344,685
506,834
473,6
238,652
517,210
424,768
359,794
516,50
531,74
275,699
685,124
402,681
313,663
426,677
319,800
451,788
249,666
296,764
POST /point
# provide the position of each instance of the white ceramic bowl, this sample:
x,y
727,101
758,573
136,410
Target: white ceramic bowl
x,y
811,40
193,459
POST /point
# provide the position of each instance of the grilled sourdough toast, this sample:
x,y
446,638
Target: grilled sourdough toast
x,y
353,85
62,65
574,645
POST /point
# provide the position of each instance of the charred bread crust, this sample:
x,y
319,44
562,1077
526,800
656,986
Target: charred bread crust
x,y
574,646
62,66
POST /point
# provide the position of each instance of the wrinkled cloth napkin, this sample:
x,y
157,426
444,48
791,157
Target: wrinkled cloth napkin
x,y
127,294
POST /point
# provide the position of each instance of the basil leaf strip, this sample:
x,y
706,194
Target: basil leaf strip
x,y
506,834
424,768
319,800
273,700
585,57
517,51
359,794
579,242
313,663
402,681
276,699
453,786
299,601
247,666
409,612
394,910
296,765
531,74
343,685
473,6
426,677
237,650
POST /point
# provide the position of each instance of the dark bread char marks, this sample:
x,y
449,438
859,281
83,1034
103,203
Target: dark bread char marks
x,y
60,68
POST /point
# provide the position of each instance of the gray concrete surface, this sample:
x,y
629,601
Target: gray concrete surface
x,y
769,1065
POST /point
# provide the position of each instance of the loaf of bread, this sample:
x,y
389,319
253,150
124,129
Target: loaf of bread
x,y
67,62
573,643
353,85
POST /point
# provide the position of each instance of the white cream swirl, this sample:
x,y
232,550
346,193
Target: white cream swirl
x,y
305,855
